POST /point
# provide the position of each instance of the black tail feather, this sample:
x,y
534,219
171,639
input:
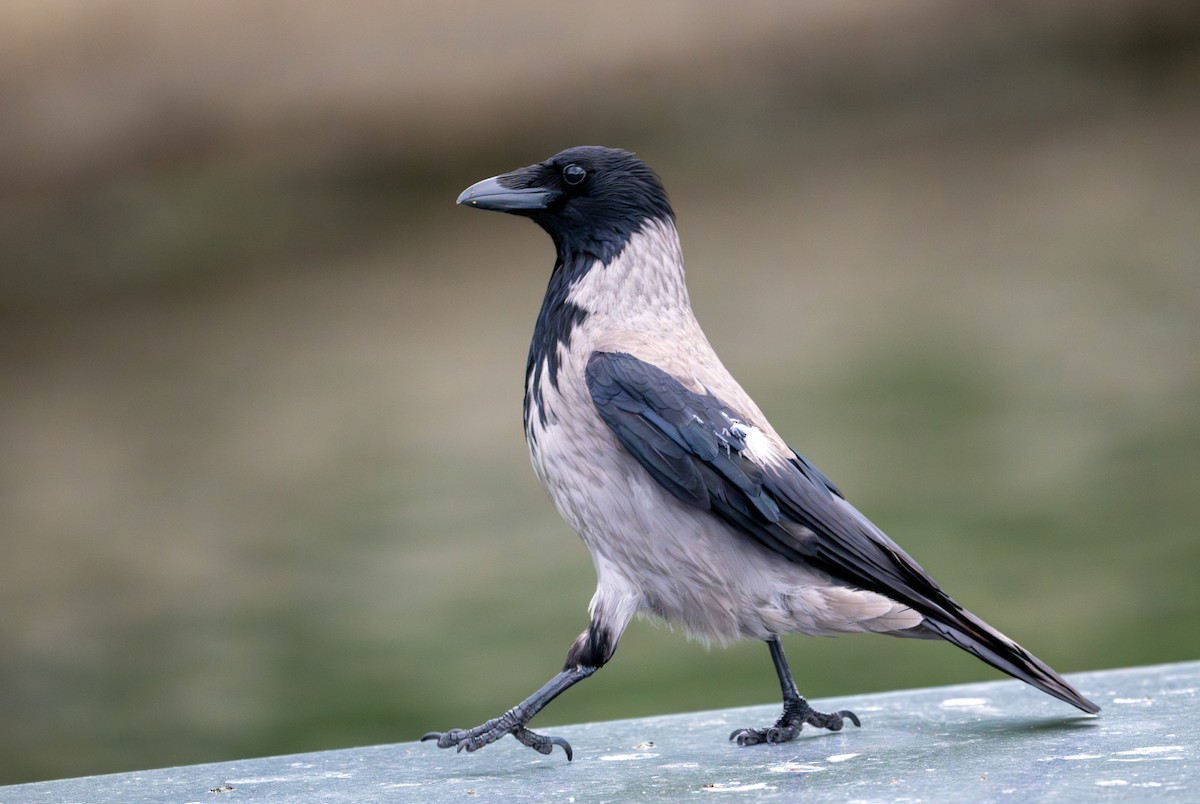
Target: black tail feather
x,y
981,640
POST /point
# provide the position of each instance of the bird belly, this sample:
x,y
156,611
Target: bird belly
x,y
681,564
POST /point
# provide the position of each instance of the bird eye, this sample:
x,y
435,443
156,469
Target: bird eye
x,y
574,175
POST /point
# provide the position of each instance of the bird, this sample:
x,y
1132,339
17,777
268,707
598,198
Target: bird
x,y
695,510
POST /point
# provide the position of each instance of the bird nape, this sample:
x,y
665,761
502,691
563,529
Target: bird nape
x,y
695,511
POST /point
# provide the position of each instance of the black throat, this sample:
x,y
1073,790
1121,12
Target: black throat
x,y
555,322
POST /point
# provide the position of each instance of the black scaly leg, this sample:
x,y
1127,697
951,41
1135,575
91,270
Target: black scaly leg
x,y
796,711
513,721
590,651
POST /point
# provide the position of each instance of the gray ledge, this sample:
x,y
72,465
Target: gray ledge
x,y
997,741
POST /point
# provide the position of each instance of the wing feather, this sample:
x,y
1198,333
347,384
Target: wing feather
x,y
694,446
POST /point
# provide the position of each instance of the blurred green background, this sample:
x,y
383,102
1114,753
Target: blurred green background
x,y
264,487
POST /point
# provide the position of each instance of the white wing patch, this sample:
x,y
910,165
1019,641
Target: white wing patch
x,y
758,446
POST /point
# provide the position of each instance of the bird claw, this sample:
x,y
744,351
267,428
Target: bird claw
x,y
473,739
772,735
542,743
788,726
460,739
853,718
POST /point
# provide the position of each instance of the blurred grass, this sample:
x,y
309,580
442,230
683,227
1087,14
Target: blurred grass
x,y
264,486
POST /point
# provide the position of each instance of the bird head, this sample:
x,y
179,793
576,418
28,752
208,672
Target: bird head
x,y
589,199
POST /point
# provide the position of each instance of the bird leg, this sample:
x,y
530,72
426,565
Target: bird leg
x,y
796,711
513,721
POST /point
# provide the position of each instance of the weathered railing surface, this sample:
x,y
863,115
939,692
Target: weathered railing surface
x,y
998,741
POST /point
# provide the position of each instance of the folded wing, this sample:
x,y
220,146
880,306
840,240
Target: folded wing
x,y
699,449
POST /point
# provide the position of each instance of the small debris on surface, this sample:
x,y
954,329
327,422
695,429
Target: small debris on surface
x,y
737,787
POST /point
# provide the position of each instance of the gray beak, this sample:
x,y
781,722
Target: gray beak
x,y
491,194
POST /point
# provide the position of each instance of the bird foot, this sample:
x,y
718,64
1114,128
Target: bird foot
x,y
511,722
788,727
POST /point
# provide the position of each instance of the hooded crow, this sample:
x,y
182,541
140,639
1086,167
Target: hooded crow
x,y
696,512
